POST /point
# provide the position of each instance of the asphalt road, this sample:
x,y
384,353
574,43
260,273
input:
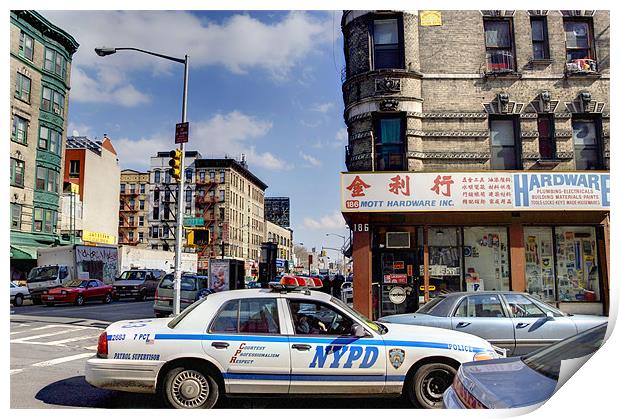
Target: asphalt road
x,y
50,345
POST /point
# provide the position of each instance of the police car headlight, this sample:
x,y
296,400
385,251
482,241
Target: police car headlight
x,y
484,355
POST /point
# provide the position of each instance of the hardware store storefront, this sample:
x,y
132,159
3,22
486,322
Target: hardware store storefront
x,y
422,234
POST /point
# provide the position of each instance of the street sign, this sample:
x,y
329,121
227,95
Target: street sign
x,y
181,134
193,221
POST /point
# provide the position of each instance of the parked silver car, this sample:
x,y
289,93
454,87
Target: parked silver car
x,y
514,321
18,294
192,289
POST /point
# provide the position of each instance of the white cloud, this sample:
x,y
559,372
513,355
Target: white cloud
x,y
342,136
229,134
323,107
78,130
313,161
275,47
329,221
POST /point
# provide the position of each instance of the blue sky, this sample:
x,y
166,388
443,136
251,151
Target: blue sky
x,y
266,84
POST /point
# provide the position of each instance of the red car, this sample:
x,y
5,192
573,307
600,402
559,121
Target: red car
x,y
77,291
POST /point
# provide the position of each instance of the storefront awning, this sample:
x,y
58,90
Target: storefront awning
x,y
23,252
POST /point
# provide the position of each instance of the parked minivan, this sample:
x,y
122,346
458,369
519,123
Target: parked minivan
x,y
192,287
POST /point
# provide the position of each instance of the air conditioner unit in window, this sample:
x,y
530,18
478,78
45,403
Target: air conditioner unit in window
x,y
397,240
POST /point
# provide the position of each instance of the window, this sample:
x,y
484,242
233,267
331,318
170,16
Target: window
x,y
141,236
50,140
26,46
157,176
546,137
586,134
141,220
156,213
167,176
222,195
259,316
485,251
499,45
484,305
227,319
188,196
22,87
387,44
19,133
540,38
504,154
312,318
188,176
156,194
54,62
74,169
165,231
142,188
212,176
222,176
46,179
44,220
130,236
131,221
17,172
202,175
579,42
16,216
521,306
122,188
390,144
52,101
132,188
166,212
141,205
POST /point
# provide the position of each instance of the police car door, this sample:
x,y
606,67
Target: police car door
x,y
246,339
326,358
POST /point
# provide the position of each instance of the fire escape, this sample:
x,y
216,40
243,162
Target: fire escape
x,y
167,217
127,222
206,201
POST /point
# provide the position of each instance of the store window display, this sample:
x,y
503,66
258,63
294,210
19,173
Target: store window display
x,y
577,267
444,249
539,262
485,252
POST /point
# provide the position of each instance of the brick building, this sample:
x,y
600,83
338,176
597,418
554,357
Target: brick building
x,y
487,133
133,222
40,73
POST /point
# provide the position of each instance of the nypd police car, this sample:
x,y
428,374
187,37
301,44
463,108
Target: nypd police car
x,y
282,341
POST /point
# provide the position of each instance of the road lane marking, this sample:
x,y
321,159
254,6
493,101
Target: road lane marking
x,y
63,341
91,348
62,360
20,340
16,371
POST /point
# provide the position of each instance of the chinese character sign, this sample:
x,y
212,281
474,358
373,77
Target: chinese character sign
x,y
486,191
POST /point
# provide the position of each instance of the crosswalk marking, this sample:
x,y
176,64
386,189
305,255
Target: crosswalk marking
x,y
20,340
62,360
91,348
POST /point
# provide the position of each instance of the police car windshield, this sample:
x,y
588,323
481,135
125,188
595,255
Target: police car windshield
x,y
377,327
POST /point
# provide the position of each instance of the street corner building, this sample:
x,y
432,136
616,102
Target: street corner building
x,y
40,72
478,155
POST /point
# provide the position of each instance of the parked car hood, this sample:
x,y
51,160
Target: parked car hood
x,y
407,332
128,282
506,383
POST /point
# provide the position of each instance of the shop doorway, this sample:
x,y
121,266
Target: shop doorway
x,y
397,283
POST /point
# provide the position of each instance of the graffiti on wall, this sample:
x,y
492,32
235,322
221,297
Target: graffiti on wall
x,y
100,262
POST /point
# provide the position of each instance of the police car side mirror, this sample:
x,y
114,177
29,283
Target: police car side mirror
x,y
550,315
358,331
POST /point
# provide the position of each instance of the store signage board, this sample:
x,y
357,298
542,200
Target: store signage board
x,y
481,191
96,237
430,18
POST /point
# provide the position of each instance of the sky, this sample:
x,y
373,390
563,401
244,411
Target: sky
x,y
264,84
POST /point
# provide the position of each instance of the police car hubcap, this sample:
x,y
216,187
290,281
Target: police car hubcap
x,y
190,388
435,383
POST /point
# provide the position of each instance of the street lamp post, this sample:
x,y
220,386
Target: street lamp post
x,y
102,52
344,243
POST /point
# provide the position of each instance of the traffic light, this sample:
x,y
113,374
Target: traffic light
x,y
202,237
175,164
198,237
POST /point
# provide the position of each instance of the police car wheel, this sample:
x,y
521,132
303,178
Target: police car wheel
x,y
428,384
190,389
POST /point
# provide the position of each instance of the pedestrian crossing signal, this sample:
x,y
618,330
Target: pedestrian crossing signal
x,y
175,164
198,237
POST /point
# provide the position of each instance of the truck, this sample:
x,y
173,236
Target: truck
x,y
58,265
61,264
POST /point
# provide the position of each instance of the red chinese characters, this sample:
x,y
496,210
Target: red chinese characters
x,y
443,181
357,187
400,185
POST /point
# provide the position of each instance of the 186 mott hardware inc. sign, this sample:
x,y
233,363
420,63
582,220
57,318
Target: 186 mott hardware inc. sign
x,y
481,191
